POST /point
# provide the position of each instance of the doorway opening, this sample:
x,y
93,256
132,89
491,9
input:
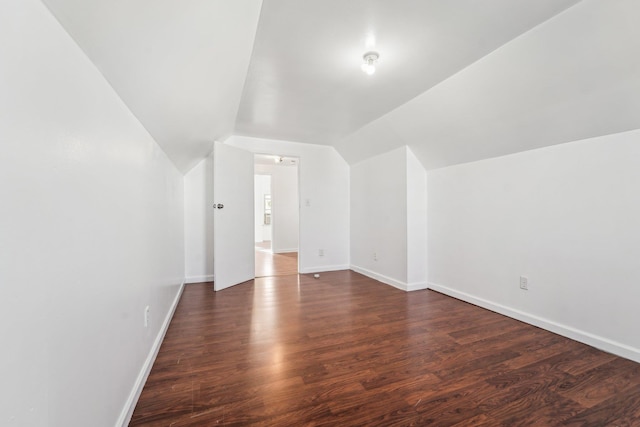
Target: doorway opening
x,y
276,215
262,204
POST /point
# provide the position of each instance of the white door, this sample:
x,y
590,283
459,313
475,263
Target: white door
x,y
233,224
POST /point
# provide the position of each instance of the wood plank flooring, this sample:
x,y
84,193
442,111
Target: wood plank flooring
x,y
269,264
345,350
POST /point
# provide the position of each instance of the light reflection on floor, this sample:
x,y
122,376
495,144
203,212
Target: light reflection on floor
x,y
270,264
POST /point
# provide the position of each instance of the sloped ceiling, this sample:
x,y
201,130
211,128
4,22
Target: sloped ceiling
x,y
305,83
179,65
573,77
457,80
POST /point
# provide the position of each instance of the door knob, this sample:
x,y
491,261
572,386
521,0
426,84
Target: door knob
x,y
220,206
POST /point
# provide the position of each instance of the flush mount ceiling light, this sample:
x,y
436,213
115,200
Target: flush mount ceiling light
x,y
369,62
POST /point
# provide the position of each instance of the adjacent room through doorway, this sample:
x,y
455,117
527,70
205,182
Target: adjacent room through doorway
x,y
276,215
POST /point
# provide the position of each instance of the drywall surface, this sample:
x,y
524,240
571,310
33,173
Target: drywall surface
x,y
285,209
261,188
198,222
566,217
91,221
572,77
416,223
389,219
285,206
180,66
324,200
379,216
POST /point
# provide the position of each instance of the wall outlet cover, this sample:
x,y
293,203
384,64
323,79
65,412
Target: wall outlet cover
x,y
146,316
524,283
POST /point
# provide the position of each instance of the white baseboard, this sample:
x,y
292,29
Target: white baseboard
x,y
417,286
284,251
132,400
321,268
199,279
407,287
596,341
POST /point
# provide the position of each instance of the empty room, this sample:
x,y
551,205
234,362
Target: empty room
x,y
319,212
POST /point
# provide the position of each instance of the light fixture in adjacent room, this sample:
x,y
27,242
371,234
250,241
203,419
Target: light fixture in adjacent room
x,y
369,62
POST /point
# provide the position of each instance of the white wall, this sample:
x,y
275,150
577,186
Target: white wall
x,y
261,188
388,219
286,209
283,187
416,223
324,200
379,216
91,219
198,222
566,217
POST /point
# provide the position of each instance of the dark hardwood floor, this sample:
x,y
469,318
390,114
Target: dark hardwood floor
x,y
345,350
270,264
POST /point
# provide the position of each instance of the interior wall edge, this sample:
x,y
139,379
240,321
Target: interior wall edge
x,y
398,284
132,400
584,337
199,279
285,251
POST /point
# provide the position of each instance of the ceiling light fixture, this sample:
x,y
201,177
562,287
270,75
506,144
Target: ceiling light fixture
x,y
369,64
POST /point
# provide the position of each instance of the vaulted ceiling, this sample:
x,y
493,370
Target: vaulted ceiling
x,y
457,80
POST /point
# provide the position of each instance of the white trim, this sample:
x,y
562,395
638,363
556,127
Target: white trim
x,y
285,251
322,268
407,287
417,286
596,341
199,279
132,400
380,277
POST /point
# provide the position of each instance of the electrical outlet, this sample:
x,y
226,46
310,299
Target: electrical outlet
x,y
320,252
146,316
524,283
375,256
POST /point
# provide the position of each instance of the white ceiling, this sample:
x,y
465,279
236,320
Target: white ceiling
x,y
573,77
305,83
179,65
457,81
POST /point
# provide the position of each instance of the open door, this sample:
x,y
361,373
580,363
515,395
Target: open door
x,y
233,224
